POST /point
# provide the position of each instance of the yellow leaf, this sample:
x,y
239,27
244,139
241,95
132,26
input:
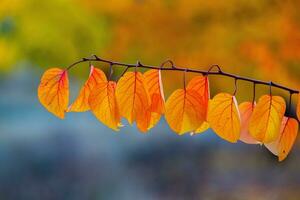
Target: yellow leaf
x,y
133,100
53,91
246,110
266,119
103,104
81,103
185,111
224,117
200,84
284,143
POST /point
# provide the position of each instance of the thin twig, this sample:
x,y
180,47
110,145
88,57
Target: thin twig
x,y
175,68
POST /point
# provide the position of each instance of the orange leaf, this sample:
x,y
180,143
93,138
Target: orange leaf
x,y
224,117
185,111
81,103
53,91
266,119
246,110
154,86
298,107
103,104
200,84
284,143
133,100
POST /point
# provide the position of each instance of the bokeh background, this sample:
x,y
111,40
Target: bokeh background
x,y
42,157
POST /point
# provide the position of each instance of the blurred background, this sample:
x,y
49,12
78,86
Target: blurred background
x,y
42,157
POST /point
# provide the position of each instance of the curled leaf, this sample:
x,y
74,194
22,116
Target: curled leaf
x,y
81,103
103,104
246,110
266,119
53,91
224,117
154,86
284,143
185,111
200,84
133,100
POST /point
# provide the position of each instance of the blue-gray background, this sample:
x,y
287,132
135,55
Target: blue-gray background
x,y
43,157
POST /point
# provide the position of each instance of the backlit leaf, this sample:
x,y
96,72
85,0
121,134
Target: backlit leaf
x,y
246,110
155,89
53,91
185,111
81,103
284,143
133,100
266,119
103,104
224,117
200,84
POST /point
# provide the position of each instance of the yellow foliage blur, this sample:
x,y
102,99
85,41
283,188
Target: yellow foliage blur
x,y
255,38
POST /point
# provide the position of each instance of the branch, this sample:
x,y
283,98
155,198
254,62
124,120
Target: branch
x,y
175,68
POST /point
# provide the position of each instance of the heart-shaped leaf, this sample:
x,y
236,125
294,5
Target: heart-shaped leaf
x,y
266,119
53,91
224,117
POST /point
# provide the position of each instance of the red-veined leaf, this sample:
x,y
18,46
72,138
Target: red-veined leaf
x,y
155,89
185,111
103,104
133,100
266,119
224,117
200,84
53,91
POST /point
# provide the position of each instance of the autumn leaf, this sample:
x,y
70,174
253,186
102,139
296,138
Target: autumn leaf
x,y
154,86
155,89
246,110
266,119
81,103
133,100
103,104
284,143
224,118
53,91
185,111
200,84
